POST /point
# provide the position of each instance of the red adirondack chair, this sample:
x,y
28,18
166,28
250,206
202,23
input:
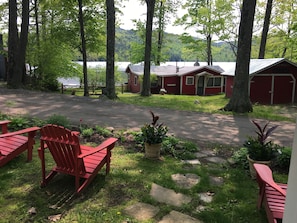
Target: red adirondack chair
x,y
271,194
13,144
82,162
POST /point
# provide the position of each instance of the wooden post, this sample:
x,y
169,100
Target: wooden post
x,y
290,214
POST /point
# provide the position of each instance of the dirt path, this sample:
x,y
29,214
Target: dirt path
x,y
196,126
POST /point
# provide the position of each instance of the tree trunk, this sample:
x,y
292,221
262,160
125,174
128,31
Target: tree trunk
x,y
21,63
110,49
160,32
13,42
239,101
265,29
209,53
83,48
146,87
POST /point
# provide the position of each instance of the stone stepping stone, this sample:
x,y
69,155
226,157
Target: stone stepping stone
x,y
200,155
192,162
206,197
186,181
174,217
217,181
216,159
141,211
168,196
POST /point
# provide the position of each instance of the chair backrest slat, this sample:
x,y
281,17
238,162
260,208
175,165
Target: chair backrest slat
x,y
64,147
265,173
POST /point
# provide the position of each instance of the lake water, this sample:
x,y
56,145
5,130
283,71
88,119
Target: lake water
x,y
75,81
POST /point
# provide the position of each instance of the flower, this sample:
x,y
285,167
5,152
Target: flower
x,y
154,133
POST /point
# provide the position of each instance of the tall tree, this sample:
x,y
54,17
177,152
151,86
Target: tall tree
x,y
110,49
17,44
146,84
240,101
265,29
209,18
83,49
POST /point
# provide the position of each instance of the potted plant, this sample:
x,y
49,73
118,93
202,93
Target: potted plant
x,y
153,135
260,150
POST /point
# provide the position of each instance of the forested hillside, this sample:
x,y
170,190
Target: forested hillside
x,y
176,50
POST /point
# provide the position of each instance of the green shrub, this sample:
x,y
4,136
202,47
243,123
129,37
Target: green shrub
x,y
18,123
284,158
58,120
102,131
87,132
239,158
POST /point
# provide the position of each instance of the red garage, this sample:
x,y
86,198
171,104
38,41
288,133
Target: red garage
x,y
272,81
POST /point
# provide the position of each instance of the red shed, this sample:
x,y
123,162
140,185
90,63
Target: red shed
x,y
185,80
272,81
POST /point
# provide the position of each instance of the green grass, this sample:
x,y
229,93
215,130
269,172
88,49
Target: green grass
x,y
129,182
207,104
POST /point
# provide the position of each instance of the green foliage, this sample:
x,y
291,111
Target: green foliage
x,y
258,148
168,146
179,149
259,151
154,133
88,132
58,120
239,158
18,122
103,131
284,158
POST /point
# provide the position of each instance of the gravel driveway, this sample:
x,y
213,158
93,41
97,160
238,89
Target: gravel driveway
x,y
215,128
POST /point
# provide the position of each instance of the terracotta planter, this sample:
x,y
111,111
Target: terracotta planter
x,y
152,151
251,166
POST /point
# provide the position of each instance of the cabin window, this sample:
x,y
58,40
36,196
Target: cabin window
x,y
214,82
189,80
135,80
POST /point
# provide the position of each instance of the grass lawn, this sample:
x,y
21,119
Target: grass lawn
x,y
129,182
208,104
131,178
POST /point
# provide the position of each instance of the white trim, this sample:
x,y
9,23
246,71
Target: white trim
x,y
181,85
188,78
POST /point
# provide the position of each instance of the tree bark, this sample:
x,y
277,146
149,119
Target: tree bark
x,y
265,29
146,86
110,49
160,32
83,48
240,101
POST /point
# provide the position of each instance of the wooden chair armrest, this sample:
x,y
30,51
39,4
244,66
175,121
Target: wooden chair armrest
x,y
77,133
4,122
104,145
19,132
3,125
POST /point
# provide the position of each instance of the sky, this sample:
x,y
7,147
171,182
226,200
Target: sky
x,y
134,10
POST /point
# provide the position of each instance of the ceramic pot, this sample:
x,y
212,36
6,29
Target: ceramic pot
x,y
251,166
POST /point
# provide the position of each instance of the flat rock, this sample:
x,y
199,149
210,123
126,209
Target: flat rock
x,y
168,196
141,211
193,162
186,181
206,197
175,217
200,154
216,159
217,181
